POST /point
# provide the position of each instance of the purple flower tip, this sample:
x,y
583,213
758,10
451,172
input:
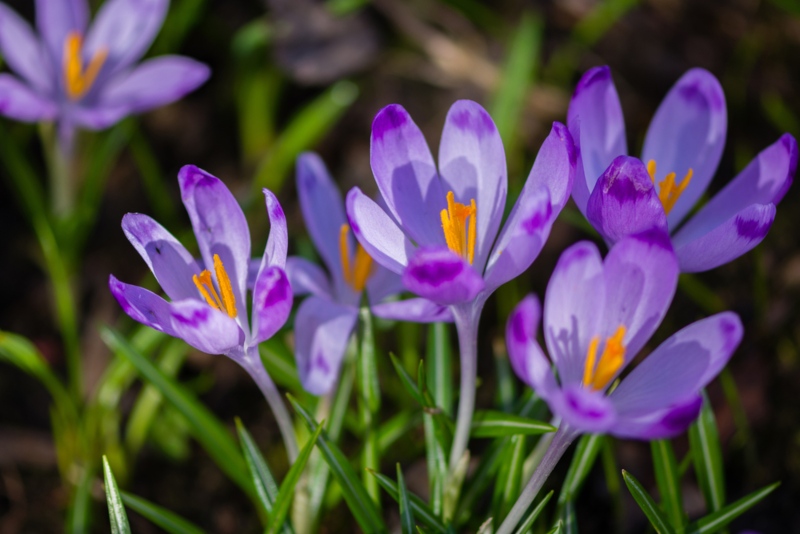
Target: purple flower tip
x,y
590,77
752,229
388,119
626,179
701,89
678,419
563,133
469,115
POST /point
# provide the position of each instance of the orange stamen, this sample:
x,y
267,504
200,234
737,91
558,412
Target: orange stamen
x,y
78,81
668,191
459,223
226,302
598,376
357,274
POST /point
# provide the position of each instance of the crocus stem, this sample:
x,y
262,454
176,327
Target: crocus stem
x,y
467,326
252,364
561,441
61,179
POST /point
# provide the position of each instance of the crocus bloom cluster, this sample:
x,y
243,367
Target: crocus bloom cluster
x,y
327,318
622,195
598,314
207,306
441,228
87,76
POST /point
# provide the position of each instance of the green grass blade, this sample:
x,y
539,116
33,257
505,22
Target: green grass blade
x,y
440,366
716,521
647,504
492,424
585,455
116,510
406,380
420,510
707,457
527,524
406,513
263,481
161,517
509,479
668,481
369,401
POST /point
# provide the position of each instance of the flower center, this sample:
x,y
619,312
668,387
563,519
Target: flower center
x,y
597,374
357,274
77,80
460,238
668,191
222,301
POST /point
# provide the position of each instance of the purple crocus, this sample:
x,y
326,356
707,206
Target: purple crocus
x,y
598,315
441,231
327,318
622,195
84,75
207,306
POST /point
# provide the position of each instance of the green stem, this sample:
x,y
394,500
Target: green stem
x,y
466,320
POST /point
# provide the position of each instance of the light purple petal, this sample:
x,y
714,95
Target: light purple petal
x,y
204,328
406,175
661,424
219,226
555,166
377,232
278,239
624,201
442,276
584,409
472,164
55,19
154,83
726,242
97,118
19,102
322,331
307,278
125,29
415,310
166,257
524,352
383,283
272,303
598,128
688,132
143,306
680,367
23,51
574,294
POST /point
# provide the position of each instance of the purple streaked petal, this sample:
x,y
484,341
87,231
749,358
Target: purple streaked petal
x,y
680,367
414,310
472,164
377,232
739,234
154,83
20,102
323,210
569,323
624,201
125,29
661,424
442,276
584,409
23,51
307,278
204,328
219,226
383,283
406,175
142,305
55,19
598,128
688,132
322,331
272,303
526,356
167,258
278,239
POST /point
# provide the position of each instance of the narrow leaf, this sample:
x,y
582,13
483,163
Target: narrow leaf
x,y
420,510
531,518
707,457
406,380
716,521
406,514
668,481
492,424
509,479
440,366
647,504
585,455
264,482
161,517
452,487
116,510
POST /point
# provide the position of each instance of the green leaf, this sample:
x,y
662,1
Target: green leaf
x,y
406,380
715,521
707,457
585,455
527,524
263,481
558,529
286,492
452,487
161,517
420,510
440,366
492,424
356,496
406,514
509,479
369,386
647,504
488,464
569,518
668,481
116,510
278,360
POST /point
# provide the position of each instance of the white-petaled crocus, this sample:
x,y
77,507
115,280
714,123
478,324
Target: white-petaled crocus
x,y
207,306
83,75
598,315
441,231
621,195
326,319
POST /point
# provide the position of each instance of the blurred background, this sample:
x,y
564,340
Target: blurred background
x,y
293,75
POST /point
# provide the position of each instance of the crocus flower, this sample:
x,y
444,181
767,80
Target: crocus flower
x,y
682,148
207,306
326,319
86,75
441,229
598,314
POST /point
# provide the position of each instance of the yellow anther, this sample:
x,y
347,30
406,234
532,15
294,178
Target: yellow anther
x,y
598,376
78,81
668,191
459,237
226,302
357,275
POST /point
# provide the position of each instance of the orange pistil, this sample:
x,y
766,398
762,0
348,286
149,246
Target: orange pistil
x,y
598,376
78,81
668,191
222,301
455,221
357,274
